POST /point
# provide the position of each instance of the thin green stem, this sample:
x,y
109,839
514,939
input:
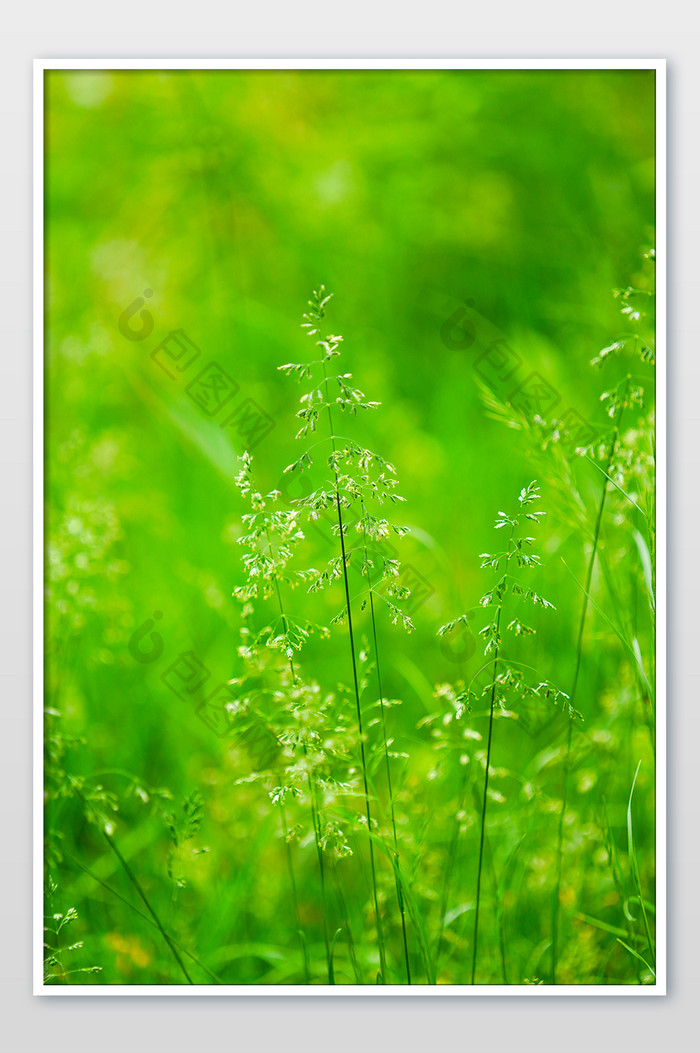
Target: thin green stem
x,y
137,885
397,877
59,954
574,686
314,808
321,864
114,892
485,798
365,779
488,764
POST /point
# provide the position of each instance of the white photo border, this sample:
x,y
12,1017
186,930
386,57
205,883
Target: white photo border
x,y
379,64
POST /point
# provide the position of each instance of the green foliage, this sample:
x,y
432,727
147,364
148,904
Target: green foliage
x,y
58,952
367,771
181,830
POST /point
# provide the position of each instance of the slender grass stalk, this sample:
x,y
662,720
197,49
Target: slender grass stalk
x,y
341,493
508,679
634,868
314,815
483,804
451,859
321,867
399,894
482,836
137,885
574,686
109,888
358,707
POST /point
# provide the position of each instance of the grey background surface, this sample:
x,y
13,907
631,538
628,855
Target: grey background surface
x,y
444,30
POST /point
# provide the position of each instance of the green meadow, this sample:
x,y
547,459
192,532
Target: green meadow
x,y
350,528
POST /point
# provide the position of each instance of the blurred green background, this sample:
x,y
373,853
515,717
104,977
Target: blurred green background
x,y
229,196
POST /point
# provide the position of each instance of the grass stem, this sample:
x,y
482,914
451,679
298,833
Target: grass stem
x,y
314,817
358,707
137,885
574,686
483,803
399,894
